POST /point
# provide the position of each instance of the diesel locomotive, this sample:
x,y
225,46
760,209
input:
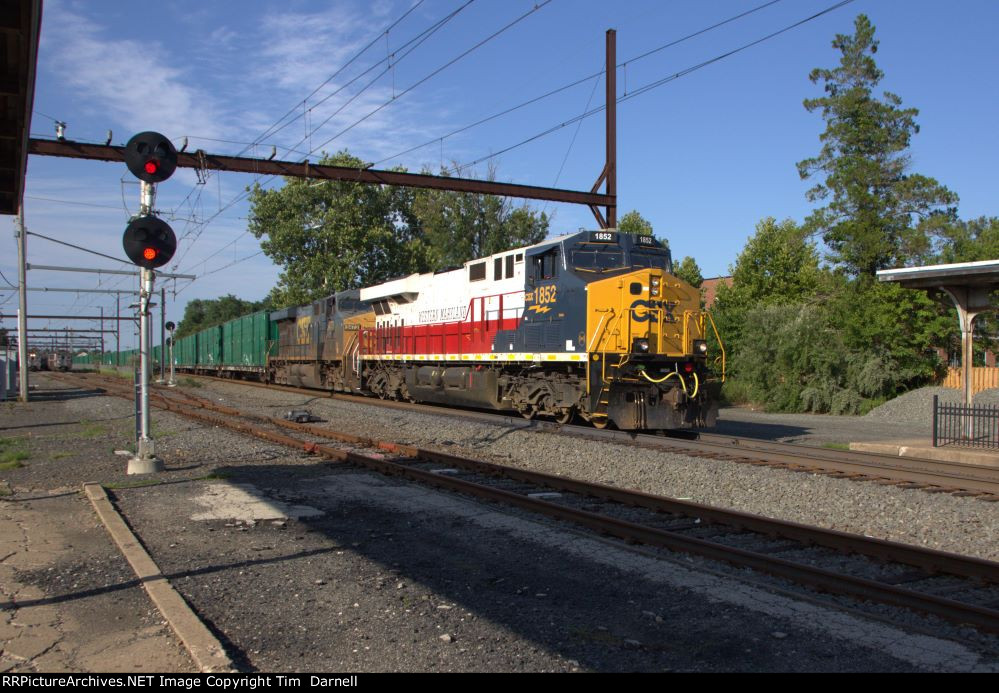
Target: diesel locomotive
x,y
592,325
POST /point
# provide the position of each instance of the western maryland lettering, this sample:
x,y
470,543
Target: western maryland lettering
x,y
450,314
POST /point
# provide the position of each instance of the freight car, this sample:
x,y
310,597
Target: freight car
x,y
592,324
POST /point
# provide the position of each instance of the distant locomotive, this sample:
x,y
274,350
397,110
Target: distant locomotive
x,y
592,324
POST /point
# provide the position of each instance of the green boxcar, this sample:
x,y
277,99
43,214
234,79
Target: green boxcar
x,y
185,351
210,347
244,341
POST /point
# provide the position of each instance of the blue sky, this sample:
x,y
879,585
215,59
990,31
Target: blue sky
x,y
703,157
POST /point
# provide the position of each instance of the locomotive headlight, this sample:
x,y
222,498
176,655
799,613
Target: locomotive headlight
x,y
700,347
654,286
641,346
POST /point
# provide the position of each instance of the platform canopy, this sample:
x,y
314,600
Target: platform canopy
x,y
20,21
970,286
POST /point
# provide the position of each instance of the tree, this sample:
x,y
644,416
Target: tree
x,y
688,271
203,313
332,235
633,222
969,241
458,227
329,236
874,203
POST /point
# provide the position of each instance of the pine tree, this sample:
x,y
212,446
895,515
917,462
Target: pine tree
x,y
871,221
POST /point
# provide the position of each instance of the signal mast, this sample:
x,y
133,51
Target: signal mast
x,y
149,242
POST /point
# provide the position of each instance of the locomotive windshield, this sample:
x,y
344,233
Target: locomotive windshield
x,y
656,258
588,259
592,257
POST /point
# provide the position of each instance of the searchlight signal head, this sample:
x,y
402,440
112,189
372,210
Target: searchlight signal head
x,y
151,157
149,242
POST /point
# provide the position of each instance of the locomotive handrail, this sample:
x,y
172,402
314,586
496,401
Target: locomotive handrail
x,y
720,345
597,332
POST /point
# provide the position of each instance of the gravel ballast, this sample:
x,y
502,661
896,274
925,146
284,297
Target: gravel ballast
x,y
938,521
388,575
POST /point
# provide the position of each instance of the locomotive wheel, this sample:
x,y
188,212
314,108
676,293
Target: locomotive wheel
x,y
528,411
600,423
564,416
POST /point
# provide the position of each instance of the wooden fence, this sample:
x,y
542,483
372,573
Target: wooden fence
x,y
981,379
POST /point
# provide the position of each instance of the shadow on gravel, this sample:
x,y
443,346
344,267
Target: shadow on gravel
x,y
762,431
435,573
62,394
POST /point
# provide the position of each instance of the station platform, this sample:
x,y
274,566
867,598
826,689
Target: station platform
x,y
923,449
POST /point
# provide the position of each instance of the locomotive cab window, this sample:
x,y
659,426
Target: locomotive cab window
x,y
655,258
597,257
545,266
498,268
477,272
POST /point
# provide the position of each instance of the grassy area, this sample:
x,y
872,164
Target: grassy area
x,y
92,430
12,452
837,446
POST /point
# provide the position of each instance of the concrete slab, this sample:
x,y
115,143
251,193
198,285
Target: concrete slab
x,y
924,449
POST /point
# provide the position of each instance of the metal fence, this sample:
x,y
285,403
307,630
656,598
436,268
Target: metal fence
x,y
956,424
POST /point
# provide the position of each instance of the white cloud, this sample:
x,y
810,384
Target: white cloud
x,y
131,82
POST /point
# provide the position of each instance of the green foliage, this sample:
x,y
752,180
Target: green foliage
x,y
968,241
805,365
873,201
332,235
688,271
633,222
777,266
200,313
460,227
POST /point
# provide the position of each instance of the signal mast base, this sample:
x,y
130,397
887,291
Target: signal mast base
x,y
145,461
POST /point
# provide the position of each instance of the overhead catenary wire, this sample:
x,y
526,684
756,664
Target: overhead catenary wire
x,y
409,47
538,6
582,80
443,67
350,61
652,85
77,247
418,39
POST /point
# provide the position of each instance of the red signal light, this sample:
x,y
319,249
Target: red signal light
x,y
688,367
152,166
149,253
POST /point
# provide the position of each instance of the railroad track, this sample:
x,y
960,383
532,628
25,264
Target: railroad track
x,y
957,588
932,476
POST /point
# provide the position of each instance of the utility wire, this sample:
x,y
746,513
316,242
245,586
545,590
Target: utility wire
x,y
434,73
418,39
329,79
71,202
577,82
409,47
86,250
653,85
